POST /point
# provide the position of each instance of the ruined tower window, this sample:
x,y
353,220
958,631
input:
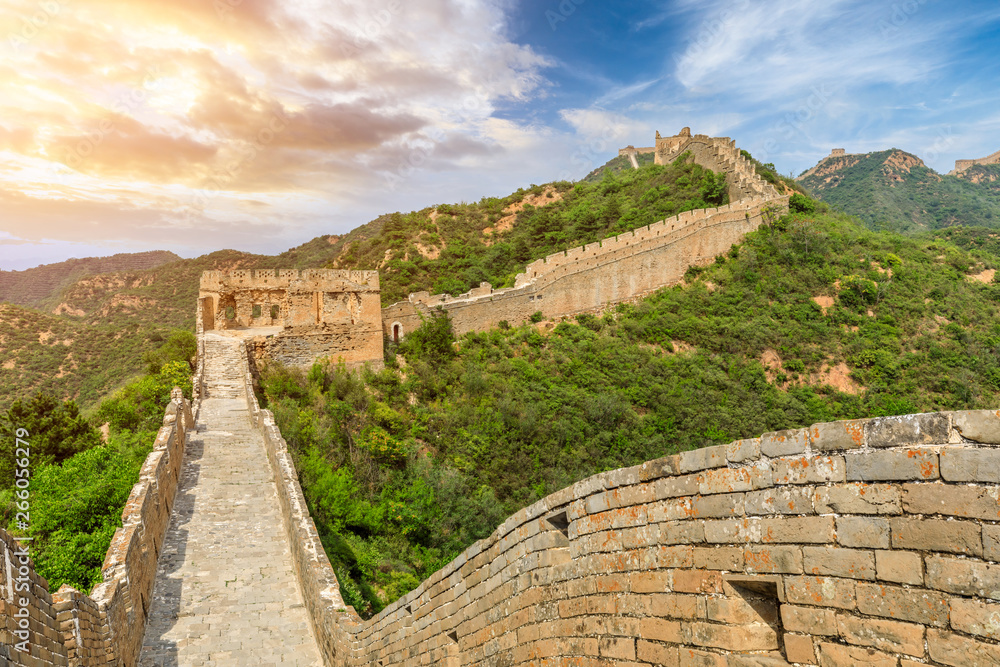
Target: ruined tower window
x,y
230,313
256,310
395,333
274,312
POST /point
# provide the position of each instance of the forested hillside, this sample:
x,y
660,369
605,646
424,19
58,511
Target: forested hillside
x,y
812,319
894,190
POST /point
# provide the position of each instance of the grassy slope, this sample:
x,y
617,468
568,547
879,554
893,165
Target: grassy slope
x,y
516,414
885,196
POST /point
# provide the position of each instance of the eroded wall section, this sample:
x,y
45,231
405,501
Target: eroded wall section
x,y
315,312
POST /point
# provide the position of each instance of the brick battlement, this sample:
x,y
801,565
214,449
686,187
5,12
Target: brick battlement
x,y
617,268
962,165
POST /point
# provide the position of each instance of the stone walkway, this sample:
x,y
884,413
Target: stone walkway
x,y
225,589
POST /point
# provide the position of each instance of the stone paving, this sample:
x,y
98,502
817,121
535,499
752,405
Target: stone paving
x,y
225,589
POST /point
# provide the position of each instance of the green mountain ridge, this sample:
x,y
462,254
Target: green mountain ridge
x,y
895,190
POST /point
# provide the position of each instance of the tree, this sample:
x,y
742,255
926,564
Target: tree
x,y
56,431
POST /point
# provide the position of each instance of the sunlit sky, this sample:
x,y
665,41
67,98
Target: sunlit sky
x,y
197,125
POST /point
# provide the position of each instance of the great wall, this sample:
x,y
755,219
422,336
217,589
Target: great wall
x,y
870,541
964,165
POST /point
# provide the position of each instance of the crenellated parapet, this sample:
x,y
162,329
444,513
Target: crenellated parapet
x,y
618,268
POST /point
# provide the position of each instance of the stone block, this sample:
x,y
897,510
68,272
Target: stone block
x,y
799,648
978,425
735,531
991,542
798,530
668,466
886,635
903,604
774,559
787,500
662,630
896,464
808,470
908,430
950,499
673,605
976,618
739,611
718,558
963,577
724,480
682,532
863,532
842,435
810,620
855,498
836,655
702,459
965,464
741,451
656,653
847,563
703,582
756,637
901,567
954,650
784,443
821,592
959,537
675,487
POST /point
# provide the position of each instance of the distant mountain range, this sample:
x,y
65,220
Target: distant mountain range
x,y
895,190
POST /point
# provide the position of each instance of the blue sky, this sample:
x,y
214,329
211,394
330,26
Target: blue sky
x,y
130,125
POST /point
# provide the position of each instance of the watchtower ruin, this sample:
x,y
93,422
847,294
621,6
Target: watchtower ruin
x,y
294,316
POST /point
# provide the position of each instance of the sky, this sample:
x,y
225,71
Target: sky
x,y
257,125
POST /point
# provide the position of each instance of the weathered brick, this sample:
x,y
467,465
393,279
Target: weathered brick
x,y
717,507
682,532
858,498
735,531
833,436
718,558
660,629
673,605
848,563
821,591
896,464
964,577
991,542
703,459
976,618
743,450
697,581
674,556
901,567
811,470
905,604
799,530
616,648
784,443
891,636
756,637
958,537
863,532
965,501
908,430
738,611
657,654
811,620
656,581
799,648
836,655
668,466
978,425
674,487
773,560
782,500
692,657
724,480
968,464
955,650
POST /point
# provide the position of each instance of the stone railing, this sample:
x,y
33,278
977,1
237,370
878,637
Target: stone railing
x,y
869,541
106,627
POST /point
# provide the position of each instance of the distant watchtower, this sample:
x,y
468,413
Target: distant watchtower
x,y
838,152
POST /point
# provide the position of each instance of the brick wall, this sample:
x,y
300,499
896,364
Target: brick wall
x,y
870,541
618,268
106,627
962,165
